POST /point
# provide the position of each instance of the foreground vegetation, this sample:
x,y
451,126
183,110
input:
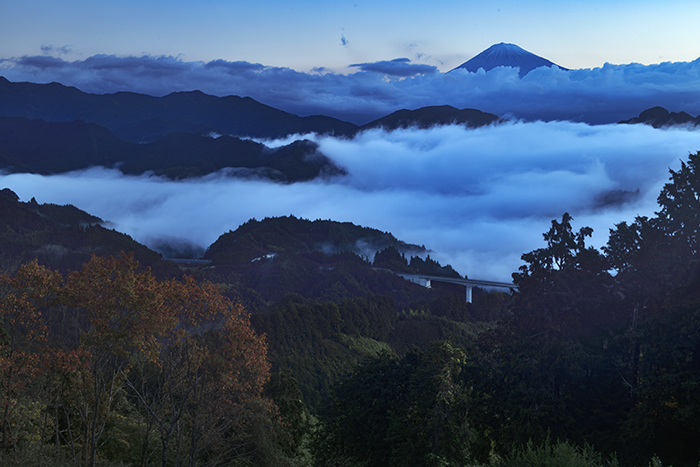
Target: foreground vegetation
x,y
593,361
111,364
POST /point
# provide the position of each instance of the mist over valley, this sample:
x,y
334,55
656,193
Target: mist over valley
x,y
478,198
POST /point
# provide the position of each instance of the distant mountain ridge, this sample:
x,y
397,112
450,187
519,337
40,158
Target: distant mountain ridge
x,y
426,117
509,55
658,117
37,146
51,128
140,118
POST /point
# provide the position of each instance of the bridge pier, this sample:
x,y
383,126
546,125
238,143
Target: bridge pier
x,y
469,283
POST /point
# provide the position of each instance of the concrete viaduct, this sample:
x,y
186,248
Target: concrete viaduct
x,y
425,281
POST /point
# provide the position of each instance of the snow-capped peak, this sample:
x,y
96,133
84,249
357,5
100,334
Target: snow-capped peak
x,y
510,55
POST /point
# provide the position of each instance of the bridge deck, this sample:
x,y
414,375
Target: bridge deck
x,y
459,280
469,283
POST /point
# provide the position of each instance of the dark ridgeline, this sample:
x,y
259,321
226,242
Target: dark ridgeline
x,y
37,146
427,117
51,128
658,117
61,237
140,118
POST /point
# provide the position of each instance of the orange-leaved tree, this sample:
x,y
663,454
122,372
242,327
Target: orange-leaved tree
x,y
187,353
207,379
25,295
121,313
237,369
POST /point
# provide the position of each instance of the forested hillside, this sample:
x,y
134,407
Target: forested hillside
x,y
38,146
60,237
600,351
323,293
327,295
426,117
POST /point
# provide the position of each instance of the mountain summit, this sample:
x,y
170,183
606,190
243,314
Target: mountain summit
x,y
507,55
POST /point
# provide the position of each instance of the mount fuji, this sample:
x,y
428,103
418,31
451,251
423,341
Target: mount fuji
x,y
506,55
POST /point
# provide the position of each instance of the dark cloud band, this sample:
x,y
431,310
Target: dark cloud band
x,y
600,95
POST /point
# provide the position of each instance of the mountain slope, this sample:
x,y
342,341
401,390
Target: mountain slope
x,y
324,305
60,237
141,118
290,234
36,146
509,55
659,117
426,117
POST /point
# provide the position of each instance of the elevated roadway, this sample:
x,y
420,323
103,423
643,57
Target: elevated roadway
x,y
426,281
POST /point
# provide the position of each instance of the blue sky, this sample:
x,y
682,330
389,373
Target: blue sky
x,y
308,34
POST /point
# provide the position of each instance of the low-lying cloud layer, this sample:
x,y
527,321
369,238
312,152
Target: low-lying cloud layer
x,y
600,95
478,198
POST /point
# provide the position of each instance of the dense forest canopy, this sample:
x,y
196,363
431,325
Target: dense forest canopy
x,y
600,350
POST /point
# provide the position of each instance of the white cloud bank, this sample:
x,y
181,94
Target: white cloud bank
x,y
478,198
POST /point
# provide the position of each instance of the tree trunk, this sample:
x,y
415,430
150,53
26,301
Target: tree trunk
x,y
93,424
70,436
634,380
6,414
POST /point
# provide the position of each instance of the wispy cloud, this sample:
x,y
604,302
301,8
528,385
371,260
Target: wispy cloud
x,y
50,49
478,198
600,95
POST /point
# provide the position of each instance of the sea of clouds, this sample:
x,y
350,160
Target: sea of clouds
x,y
478,198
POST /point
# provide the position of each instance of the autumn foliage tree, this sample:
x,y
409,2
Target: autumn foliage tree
x,y
111,336
121,313
207,376
22,335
